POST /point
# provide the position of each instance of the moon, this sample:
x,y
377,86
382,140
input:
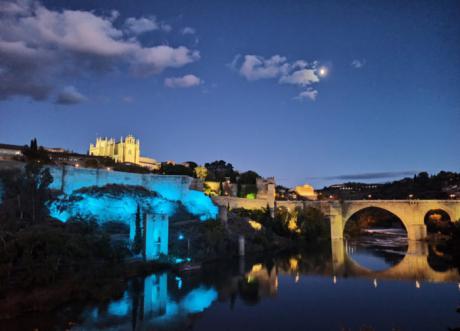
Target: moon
x,y
322,71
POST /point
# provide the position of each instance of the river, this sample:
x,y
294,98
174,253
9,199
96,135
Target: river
x,y
378,282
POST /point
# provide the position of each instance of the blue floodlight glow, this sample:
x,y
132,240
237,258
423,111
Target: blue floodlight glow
x,y
199,204
198,300
122,206
179,282
120,307
181,236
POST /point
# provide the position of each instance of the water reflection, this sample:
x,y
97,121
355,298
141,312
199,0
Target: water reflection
x,y
149,303
358,259
294,290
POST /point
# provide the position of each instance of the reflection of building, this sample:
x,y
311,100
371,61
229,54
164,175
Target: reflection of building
x,y
267,280
125,151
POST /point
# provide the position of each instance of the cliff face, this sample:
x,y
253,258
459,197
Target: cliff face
x,y
119,203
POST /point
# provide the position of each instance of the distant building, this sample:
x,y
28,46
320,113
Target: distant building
x,y
127,150
9,152
306,192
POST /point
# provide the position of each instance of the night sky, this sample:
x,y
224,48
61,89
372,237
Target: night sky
x,y
306,91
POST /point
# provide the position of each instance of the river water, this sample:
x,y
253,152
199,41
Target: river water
x,y
378,282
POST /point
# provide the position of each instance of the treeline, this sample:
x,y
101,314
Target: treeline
x,y
421,186
217,171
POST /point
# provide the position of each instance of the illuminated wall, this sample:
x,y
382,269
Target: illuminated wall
x,y
69,179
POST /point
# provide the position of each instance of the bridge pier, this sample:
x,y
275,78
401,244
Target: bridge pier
x,y
416,232
336,221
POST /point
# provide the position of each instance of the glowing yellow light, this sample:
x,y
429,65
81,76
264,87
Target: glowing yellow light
x,y
293,263
255,225
256,267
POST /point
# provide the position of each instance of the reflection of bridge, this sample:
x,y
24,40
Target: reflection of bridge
x,y
414,265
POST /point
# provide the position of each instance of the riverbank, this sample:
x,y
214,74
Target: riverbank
x,y
31,289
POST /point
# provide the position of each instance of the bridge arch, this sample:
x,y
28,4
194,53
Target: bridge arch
x,y
408,211
438,221
347,219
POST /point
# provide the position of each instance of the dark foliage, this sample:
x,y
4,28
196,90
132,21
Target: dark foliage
x,y
248,177
176,169
218,171
36,153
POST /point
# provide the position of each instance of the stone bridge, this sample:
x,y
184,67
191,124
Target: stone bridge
x,y
411,213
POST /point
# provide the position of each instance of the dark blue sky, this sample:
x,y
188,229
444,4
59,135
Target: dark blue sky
x,y
390,101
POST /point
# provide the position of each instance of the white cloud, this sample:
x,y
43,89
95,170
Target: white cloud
x,y
70,96
299,73
166,27
38,45
256,67
301,77
188,30
127,99
357,64
183,82
141,25
309,93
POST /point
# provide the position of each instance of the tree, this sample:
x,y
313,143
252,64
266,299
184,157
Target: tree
x,y
201,172
176,169
248,177
137,244
34,191
35,153
219,170
313,225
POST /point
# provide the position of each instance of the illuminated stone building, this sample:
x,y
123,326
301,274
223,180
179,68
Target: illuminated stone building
x,y
306,192
127,150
